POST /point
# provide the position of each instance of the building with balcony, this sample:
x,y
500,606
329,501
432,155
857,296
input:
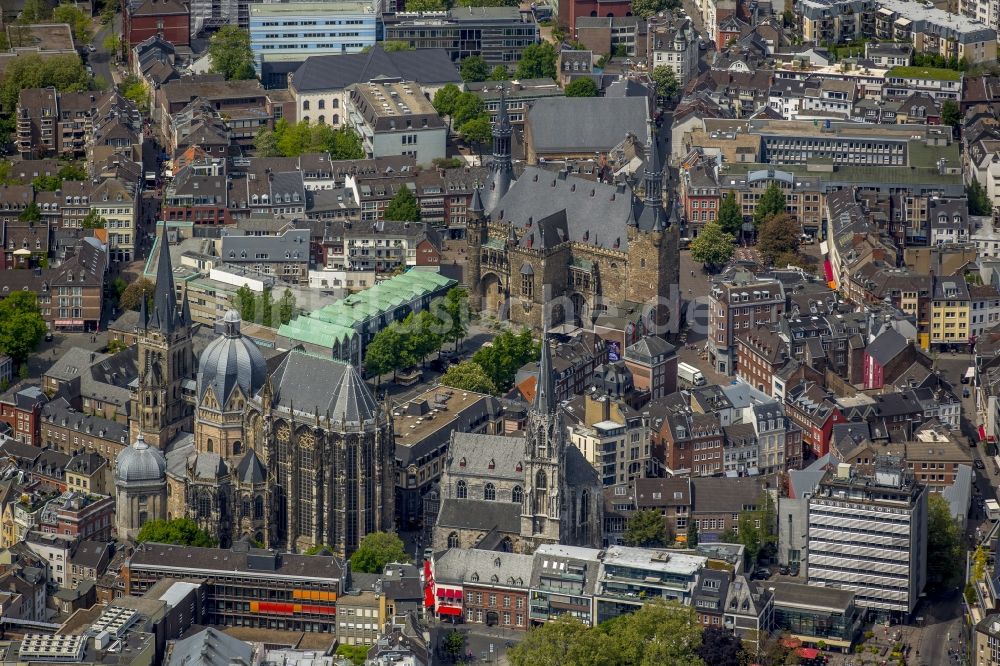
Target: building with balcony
x,y
564,583
396,119
950,312
672,41
739,302
817,614
628,577
868,534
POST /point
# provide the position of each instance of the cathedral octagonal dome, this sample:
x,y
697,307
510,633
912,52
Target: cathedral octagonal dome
x,y
231,361
140,463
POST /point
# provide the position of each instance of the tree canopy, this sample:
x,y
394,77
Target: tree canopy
x,y
294,139
94,220
582,87
646,8
426,5
658,633
22,326
665,81
445,99
467,107
758,528
78,21
64,72
474,69
772,202
179,531
477,130
244,301
950,113
730,217
499,73
136,91
504,357
469,376
131,298
647,529
230,54
945,559
403,207
719,647
778,235
455,315
979,199
393,45
713,246
538,61
376,550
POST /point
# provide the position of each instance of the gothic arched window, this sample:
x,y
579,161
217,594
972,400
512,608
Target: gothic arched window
x,y
204,505
258,508
541,481
490,492
461,490
246,508
584,507
517,495
237,447
209,446
453,540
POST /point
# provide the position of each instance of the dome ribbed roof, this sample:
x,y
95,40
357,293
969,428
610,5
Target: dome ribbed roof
x,y
231,361
140,462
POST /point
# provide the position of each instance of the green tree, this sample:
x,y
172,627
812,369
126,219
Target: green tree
x,y
944,544
713,246
658,633
403,207
445,99
646,529
499,73
244,301
582,87
719,647
469,376
778,235
477,131
730,217
72,171
979,200
115,346
950,114
979,561
136,91
265,307
319,548
230,54
376,550
35,11
467,107
265,143
78,22
286,306
64,72
692,533
118,287
565,641
358,654
46,183
665,81
646,8
473,69
22,326
504,357
757,528
538,61
94,220
425,339
346,144
7,176
31,213
454,645
113,45
394,45
179,531
771,202
455,316
131,298
426,5
382,352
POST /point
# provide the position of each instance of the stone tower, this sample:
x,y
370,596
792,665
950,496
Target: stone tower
x,y
545,446
476,234
140,487
165,360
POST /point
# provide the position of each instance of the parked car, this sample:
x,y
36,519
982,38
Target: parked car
x,y
762,574
979,464
793,569
48,336
783,570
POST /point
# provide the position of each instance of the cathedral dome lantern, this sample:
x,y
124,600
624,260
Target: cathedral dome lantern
x,y
230,362
140,463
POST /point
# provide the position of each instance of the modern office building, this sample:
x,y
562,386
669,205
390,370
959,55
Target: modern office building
x,y
629,577
396,119
498,34
293,31
868,534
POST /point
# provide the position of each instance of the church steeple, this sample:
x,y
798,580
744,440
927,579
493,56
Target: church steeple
x,y
545,387
164,315
652,184
501,169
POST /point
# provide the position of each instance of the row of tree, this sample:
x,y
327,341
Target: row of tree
x,y
404,344
261,308
294,139
466,113
492,368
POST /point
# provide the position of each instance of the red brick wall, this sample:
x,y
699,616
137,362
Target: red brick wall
x,y
569,11
176,28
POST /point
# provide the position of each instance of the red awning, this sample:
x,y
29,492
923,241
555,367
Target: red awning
x,y
808,653
982,434
449,610
828,270
427,570
458,594
449,594
428,597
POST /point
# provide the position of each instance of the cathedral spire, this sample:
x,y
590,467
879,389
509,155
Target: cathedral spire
x,y
165,300
476,205
653,179
545,387
144,311
501,170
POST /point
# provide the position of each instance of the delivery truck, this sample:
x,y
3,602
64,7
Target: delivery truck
x,y
690,374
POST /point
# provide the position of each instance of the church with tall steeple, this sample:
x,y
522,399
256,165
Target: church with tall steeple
x,y
286,449
555,246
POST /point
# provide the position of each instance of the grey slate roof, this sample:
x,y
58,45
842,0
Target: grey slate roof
x,y
211,647
250,469
309,383
481,515
560,207
292,245
231,361
473,565
723,495
887,346
479,450
599,123
333,72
